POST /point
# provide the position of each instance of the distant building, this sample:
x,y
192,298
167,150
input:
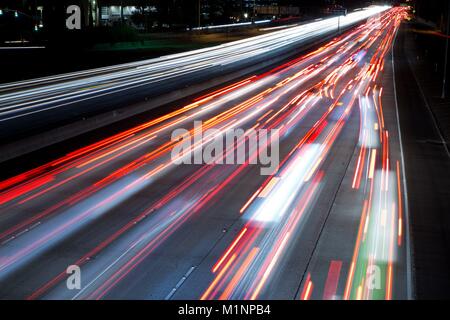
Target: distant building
x,y
51,13
277,11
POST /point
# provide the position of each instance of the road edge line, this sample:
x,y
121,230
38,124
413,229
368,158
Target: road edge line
x,y
409,268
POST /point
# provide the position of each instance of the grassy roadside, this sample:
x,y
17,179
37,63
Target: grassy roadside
x,y
21,64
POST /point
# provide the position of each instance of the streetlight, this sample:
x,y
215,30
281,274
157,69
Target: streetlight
x,y
16,13
199,22
341,12
444,80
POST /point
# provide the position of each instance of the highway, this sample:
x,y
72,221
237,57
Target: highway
x,y
38,103
330,223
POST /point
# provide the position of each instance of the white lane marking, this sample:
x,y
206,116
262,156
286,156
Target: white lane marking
x,y
8,240
178,285
409,272
105,270
20,233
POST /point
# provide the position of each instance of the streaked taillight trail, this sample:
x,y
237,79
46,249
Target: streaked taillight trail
x,y
326,86
379,234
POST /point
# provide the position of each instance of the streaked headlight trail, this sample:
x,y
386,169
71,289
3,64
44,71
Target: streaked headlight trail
x,y
130,206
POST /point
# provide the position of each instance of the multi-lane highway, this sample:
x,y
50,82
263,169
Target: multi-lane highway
x,y
41,103
330,223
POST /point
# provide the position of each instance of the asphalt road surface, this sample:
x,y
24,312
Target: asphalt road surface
x,y
330,223
36,104
427,168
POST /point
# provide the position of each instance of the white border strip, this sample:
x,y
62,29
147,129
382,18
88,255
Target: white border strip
x,y
409,270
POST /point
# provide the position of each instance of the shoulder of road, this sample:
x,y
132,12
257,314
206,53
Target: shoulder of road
x,y
425,125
